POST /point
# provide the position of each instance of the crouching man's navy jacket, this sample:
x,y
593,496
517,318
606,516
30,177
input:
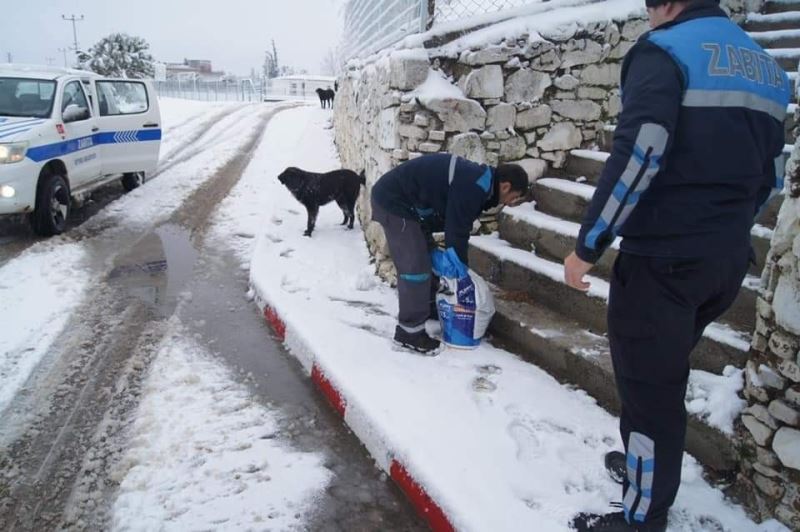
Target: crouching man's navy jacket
x,y
698,147
442,192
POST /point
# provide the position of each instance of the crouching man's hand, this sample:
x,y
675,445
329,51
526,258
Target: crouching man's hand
x,y
574,270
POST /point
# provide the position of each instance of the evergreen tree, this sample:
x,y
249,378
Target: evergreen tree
x,y
121,55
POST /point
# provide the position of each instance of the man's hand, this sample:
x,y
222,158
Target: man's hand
x,y
574,270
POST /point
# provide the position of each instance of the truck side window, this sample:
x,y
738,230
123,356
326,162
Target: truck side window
x,y
122,98
73,95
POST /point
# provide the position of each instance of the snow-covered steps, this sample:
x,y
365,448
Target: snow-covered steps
x,y
586,164
787,58
781,6
773,22
520,271
553,239
562,198
565,349
777,38
568,199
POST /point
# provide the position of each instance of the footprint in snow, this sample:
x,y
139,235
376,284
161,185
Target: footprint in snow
x,y
528,444
489,369
274,239
277,221
482,384
286,253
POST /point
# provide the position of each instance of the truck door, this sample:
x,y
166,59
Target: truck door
x,y
81,154
130,126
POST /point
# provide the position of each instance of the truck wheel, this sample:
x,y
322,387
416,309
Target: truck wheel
x,y
133,180
52,206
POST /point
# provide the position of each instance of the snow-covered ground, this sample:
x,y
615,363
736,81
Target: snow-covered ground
x,y
205,455
497,442
45,283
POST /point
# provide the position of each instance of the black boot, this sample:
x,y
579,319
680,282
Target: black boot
x,y
614,522
615,465
434,311
418,341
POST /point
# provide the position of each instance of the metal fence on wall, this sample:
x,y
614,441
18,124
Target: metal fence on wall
x,y
211,91
371,25
448,10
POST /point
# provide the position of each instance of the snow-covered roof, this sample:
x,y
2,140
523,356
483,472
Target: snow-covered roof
x,y
307,77
40,71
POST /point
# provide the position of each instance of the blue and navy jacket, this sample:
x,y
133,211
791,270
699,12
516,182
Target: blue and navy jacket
x,y
421,189
698,148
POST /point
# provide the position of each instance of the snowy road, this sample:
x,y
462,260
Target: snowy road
x,y
140,390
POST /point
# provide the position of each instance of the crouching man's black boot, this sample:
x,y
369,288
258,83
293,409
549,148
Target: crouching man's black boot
x,y
614,522
417,341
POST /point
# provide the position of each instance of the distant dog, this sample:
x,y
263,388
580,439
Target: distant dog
x,y
314,190
325,97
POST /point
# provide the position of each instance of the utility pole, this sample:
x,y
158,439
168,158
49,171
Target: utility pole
x,y
10,57
74,19
49,60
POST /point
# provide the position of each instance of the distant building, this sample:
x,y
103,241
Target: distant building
x,y
298,85
193,69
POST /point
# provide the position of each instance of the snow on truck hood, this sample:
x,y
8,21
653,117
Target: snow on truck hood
x,y
20,128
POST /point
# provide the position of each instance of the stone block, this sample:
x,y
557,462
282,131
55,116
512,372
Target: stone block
x,y
761,413
592,93
501,117
458,114
783,345
400,155
764,309
421,120
767,457
469,146
591,53
429,147
766,471
562,136
407,71
786,445
512,149
538,116
633,29
493,54
567,82
530,138
604,75
583,110
561,95
793,395
412,132
761,433
783,412
759,343
484,82
388,129
788,516
621,50
526,85
436,135
768,486
770,378
790,370
558,159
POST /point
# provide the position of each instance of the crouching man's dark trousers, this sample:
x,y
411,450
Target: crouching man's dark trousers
x,y
409,246
658,309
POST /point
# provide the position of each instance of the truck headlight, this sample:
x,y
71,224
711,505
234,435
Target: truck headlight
x,y
12,152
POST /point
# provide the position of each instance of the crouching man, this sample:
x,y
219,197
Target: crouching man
x,y
434,193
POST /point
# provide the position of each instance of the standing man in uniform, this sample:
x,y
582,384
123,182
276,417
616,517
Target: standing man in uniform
x,y
696,154
432,193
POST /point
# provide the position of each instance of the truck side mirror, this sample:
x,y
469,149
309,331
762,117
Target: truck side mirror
x,y
74,113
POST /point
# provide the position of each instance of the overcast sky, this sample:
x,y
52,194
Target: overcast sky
x,y
233,34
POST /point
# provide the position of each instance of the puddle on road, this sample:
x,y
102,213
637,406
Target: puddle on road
x,y
156,269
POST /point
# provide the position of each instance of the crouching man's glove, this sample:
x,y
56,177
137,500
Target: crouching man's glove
x,y
447,264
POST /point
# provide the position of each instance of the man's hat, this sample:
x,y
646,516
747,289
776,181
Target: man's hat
x,y
656,3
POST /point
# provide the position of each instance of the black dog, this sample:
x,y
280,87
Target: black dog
x,y
314,190
325,97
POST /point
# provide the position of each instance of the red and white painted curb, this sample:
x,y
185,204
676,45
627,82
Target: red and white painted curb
x,y
362,427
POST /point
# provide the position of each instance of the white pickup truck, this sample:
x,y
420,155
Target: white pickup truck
x,y
63,133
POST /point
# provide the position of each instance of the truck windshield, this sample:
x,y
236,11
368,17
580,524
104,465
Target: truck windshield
x,y
26,97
